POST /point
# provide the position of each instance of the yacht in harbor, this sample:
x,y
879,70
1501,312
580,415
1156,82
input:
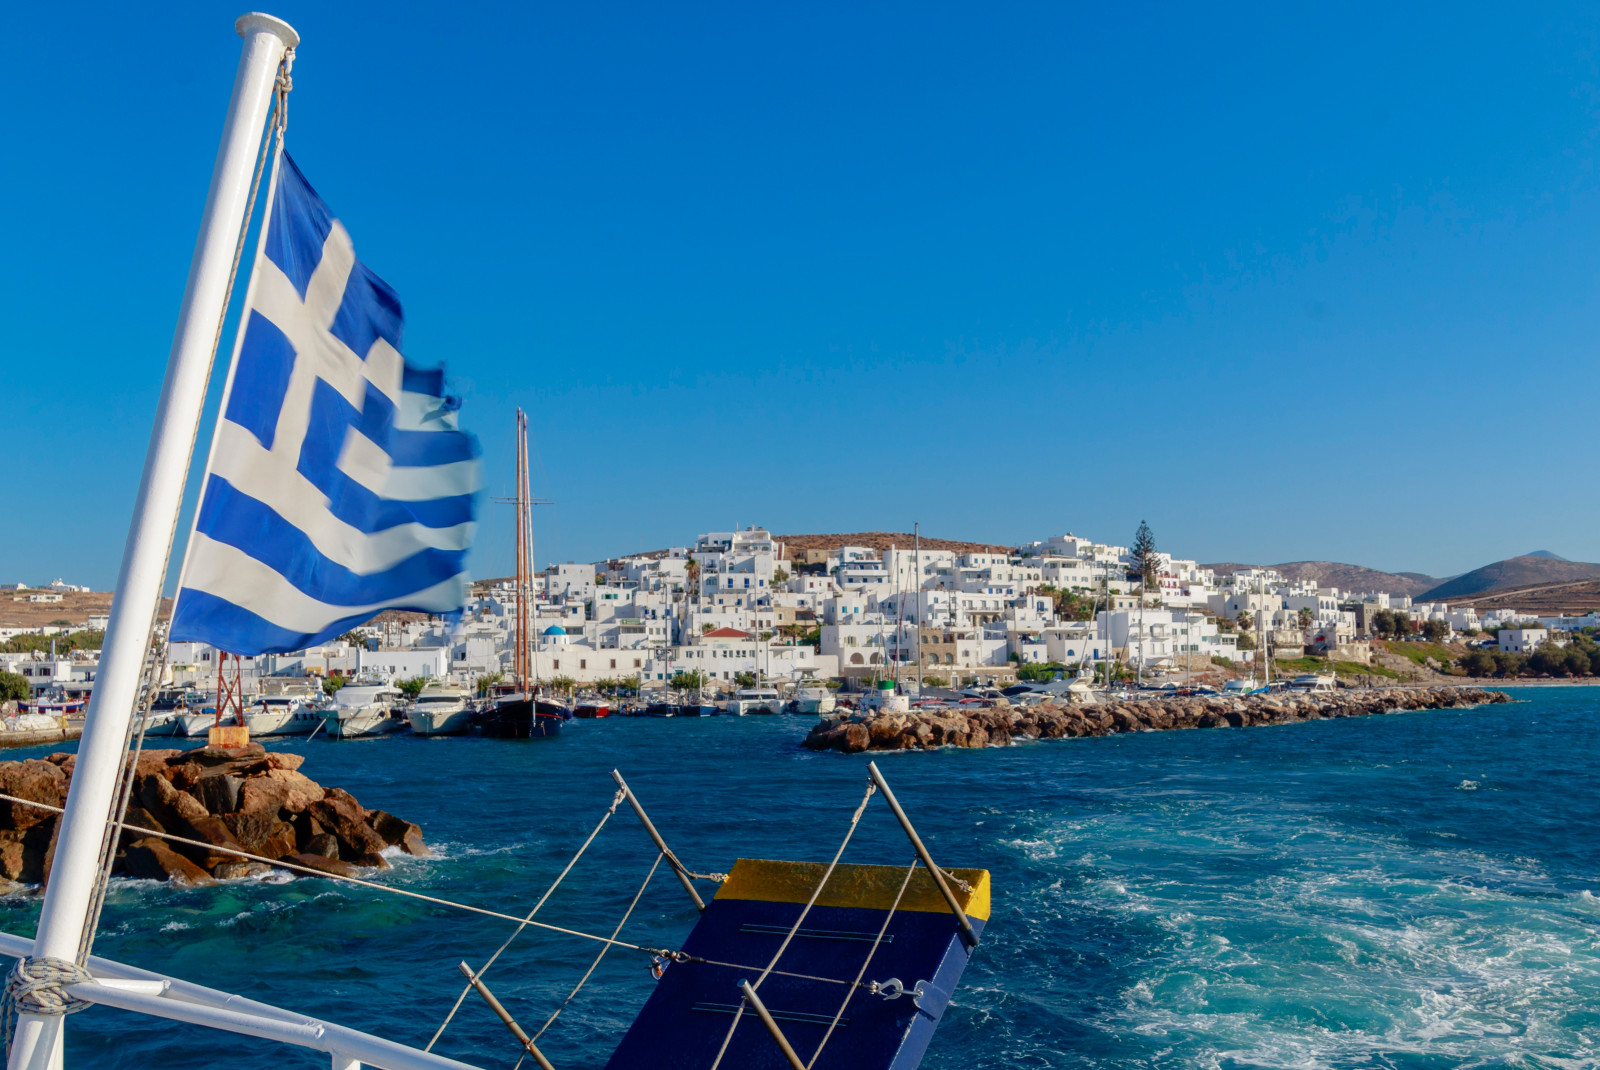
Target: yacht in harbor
x,y
289,713
442,709
751,700
364,709
815,700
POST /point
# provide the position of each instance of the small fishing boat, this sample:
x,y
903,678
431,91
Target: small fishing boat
x,y
592,709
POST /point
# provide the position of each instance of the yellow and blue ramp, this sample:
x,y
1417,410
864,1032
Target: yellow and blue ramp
x,y
685,1020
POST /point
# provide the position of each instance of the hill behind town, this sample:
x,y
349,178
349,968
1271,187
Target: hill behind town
x,y
1528,570
883,540
1343,576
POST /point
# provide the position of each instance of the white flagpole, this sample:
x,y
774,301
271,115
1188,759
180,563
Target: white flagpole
x,y
36,1043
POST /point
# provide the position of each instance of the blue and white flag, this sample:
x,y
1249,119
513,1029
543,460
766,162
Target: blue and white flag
x,y
339,484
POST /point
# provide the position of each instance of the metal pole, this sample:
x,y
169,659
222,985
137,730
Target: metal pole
x,y
505,1016
672,859
967,933
37,1041
772,1026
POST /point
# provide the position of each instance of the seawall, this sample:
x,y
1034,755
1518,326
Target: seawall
x,y
999,725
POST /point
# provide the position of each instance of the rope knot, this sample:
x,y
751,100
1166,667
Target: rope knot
x,y
39,986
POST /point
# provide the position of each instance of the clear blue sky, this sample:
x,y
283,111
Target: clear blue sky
x,y
1287,284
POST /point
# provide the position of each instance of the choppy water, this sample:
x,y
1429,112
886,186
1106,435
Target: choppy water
x,y
1411,891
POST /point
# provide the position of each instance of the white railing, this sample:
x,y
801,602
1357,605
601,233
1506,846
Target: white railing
x,y
146,992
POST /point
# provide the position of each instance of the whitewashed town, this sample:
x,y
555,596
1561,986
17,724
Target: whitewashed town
x,y
741,610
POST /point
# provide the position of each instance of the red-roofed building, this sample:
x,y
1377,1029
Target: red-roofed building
x,y
727,633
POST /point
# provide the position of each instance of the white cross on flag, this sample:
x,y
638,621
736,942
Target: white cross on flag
x,y
339,484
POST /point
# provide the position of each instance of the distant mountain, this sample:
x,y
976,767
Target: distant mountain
x,y
1526,571
1552,555
1345,577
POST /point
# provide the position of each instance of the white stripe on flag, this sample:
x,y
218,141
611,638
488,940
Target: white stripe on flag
x,y
234,576
364,461
274,482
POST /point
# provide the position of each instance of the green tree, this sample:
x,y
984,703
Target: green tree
x,y
1246,620
693,680
1478,663
1146,562
353,638
1039,673
485,682
1305,617
629,684
332,683
1550,660
745,679
1247,641
412,687
1510,665
562,685
780,576
14,687
1577,663
1435,631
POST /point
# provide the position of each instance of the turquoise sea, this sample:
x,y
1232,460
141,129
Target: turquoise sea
x,y
1409,891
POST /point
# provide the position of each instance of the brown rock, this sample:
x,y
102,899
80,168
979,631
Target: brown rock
x,y
218,794
854,739
323,844
251,827
170,806
224,755
285,760
232,871
209,829
11,861
36,780
152,859
279,789
398,833
324,865
372,861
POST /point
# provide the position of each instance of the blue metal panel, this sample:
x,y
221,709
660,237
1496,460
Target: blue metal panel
x,y
685,1019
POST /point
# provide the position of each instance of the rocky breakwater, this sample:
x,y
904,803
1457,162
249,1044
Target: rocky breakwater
x,y
999,725
226,798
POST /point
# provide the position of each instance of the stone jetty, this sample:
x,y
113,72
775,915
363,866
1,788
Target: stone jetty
x,y
998,725
242,798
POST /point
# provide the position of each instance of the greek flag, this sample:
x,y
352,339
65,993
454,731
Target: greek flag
x,y
339,483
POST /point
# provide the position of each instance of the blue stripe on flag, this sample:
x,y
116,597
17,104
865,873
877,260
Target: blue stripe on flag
x,y
204,618
232,517
331,418
266,360
411,449
301,222
370,310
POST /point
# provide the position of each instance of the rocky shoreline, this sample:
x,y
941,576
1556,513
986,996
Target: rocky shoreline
x,y
241,798
999,725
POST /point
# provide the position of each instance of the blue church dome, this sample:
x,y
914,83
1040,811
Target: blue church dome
x,y
555,629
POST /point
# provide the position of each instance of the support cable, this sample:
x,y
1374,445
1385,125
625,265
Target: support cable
x,y
616,801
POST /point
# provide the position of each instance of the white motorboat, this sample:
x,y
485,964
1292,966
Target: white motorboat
x,y
817,700
364,710
196,724
284,715
441,710
749,700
